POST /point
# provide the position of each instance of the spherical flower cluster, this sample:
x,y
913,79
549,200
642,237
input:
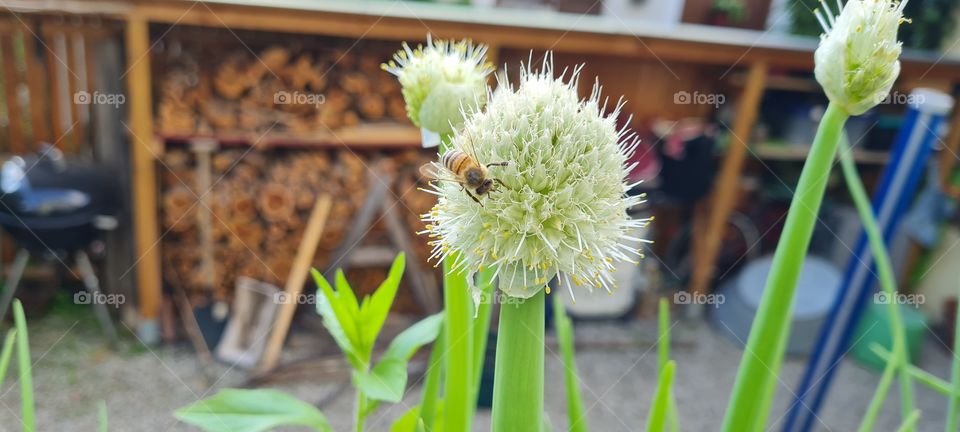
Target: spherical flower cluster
x,y
562,206
440,79
858,57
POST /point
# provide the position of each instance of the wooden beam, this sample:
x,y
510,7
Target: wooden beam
x,y
724,196
10,80
143,168
38,94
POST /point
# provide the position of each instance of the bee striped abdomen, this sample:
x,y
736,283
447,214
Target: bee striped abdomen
x,y
455,160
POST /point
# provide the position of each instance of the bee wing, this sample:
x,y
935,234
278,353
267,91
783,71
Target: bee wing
x,y
433,171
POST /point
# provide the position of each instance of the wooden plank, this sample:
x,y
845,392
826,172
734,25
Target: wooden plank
x,y
38,93
143,168
72,145
724,196
10,80
296,279
56,97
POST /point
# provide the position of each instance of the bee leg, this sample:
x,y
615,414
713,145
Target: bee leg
x,y
502,164
473,197
499,182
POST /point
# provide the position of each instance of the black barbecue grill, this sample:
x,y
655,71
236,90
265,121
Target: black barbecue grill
x,y
56,208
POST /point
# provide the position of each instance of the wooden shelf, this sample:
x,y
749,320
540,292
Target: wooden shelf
x,y
372,136
790,152
783,83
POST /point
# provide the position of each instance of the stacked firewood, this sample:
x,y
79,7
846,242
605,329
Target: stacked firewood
x,y
281,89
260,201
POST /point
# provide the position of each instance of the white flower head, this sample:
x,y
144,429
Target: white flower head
x,y
858,57
562,206
440,79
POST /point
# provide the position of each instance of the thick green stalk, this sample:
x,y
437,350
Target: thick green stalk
x,y
763,350
518,377
481,328
431,384
575,412
953,404
888,284
25,367
458,403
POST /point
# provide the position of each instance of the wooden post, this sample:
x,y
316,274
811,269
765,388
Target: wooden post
x,y
295,280
144,175
10,80
724,196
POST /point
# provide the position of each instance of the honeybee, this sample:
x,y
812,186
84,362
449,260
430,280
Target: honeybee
x,y
459,167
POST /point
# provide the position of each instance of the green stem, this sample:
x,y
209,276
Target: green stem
x,y
518,377
575,412
660,408
7,354
360,411
663,356
457,406
481,330
431,385
932,381
25,367
953,405
910,421
772,322
888,284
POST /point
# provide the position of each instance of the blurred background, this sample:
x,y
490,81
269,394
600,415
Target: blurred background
x,y
163,160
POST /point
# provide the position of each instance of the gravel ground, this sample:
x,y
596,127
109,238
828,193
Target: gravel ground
x,y
74,370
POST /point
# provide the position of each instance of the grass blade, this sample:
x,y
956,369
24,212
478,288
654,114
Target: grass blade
x,y
431,384
481,329
663,356
102,413
25,367
575,411
661,400
6,354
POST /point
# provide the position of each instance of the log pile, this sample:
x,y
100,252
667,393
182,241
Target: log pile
x,y
282,89
260,203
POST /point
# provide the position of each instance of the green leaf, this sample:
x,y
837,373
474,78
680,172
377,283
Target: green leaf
x,y
378,306
236,410
659,411
388,379
338,322
410,422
